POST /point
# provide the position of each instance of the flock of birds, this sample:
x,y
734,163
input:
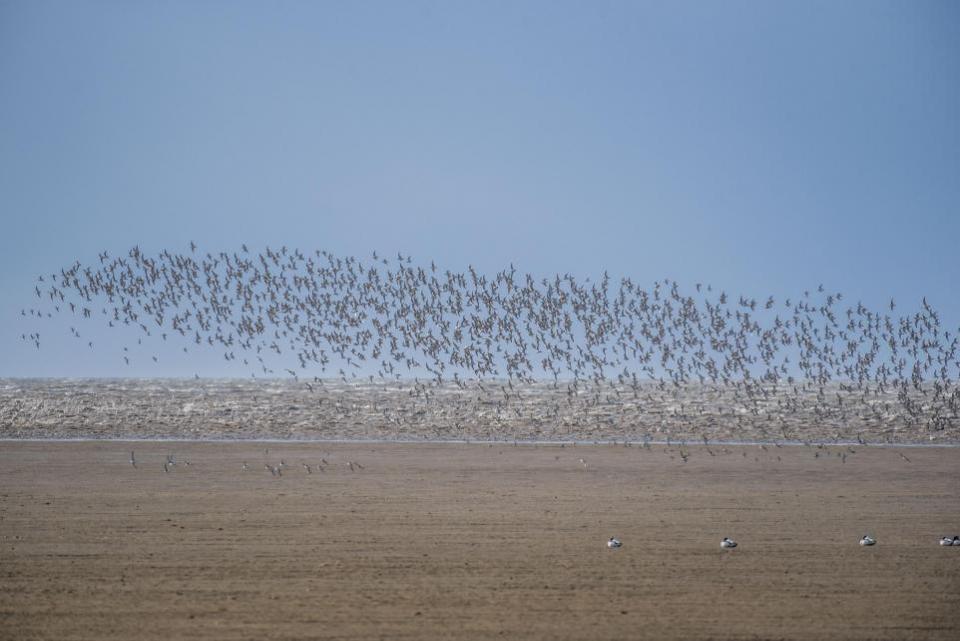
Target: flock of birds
x,y
613,543
391,319
170,462
866,540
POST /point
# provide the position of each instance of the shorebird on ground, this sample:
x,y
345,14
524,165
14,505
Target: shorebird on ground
x,y
868,540
728,543
614,543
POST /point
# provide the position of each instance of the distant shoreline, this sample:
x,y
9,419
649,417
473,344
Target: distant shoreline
x,y
525,443
538,413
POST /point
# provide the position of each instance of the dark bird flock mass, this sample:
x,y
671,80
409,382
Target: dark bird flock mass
x,y
602,342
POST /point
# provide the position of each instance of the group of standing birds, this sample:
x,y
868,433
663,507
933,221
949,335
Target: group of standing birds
x,y
391,319
866,540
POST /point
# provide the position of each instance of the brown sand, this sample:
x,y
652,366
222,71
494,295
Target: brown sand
x,y
475,542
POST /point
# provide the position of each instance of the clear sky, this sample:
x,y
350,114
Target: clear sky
x,y
765,147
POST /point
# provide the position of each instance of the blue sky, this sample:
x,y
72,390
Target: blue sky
x,y
765,147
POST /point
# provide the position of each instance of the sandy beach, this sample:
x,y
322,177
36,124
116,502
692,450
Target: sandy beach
x,y
479,321
480,541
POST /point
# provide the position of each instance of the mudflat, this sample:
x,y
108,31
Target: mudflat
x,y
475,541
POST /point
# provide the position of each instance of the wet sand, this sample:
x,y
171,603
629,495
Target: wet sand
x,y
475,542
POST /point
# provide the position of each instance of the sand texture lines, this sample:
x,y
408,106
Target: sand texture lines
x,y
408,541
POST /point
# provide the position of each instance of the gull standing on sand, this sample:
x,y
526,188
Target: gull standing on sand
x,y
728,543
868,540
614,543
